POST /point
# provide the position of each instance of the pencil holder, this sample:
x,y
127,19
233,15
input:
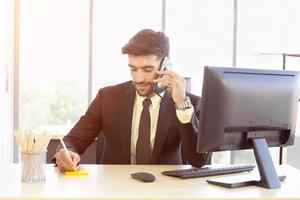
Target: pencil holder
x,y
33,166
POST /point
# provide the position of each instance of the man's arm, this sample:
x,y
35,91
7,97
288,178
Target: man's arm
x,y
188,133
87,128
188,122
81,136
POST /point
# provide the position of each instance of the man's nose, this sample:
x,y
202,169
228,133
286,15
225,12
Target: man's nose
x,y
140,77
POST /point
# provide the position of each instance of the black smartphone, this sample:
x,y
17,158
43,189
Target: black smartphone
x,y
164,64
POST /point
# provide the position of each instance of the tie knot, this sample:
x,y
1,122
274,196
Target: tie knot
x,y
146,103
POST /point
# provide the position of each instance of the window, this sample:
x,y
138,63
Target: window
x,y
54,49
266,29
201,34
276,32
53,63
115,22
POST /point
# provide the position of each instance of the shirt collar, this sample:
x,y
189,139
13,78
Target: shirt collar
x,y
155,100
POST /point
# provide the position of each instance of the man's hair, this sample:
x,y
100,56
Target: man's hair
x,y
147,42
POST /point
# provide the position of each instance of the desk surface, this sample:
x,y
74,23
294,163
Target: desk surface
x,y
114,182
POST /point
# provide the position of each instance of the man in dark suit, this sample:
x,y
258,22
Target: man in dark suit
x,y
139,125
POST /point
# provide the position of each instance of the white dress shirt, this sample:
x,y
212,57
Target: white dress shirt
x,y
184,116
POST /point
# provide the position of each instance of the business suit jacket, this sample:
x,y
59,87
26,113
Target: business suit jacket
x,y
111,113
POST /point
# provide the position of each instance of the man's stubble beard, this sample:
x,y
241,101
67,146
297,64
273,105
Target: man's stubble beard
x,y
147,93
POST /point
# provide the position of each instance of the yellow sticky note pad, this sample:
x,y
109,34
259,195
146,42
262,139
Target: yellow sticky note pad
x,y
80,172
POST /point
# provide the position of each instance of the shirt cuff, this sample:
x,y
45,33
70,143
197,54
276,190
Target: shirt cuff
x,y
185,116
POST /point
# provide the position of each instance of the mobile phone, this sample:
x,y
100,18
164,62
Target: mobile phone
x,y
164,64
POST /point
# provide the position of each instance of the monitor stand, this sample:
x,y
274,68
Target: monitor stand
x,y
269,178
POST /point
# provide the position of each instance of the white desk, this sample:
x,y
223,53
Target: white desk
x,y
114,182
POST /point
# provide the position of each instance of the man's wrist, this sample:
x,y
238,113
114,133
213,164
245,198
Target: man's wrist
x,y
184,104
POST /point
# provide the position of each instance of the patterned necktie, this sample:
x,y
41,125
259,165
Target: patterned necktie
x,y
143,152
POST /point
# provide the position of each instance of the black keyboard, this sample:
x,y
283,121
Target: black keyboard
x,y
208,171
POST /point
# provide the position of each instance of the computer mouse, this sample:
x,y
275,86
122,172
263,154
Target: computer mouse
x,y
143,176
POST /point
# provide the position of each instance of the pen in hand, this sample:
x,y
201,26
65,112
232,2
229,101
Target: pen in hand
x,y
65,148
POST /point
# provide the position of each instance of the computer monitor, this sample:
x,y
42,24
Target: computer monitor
x,y
248,109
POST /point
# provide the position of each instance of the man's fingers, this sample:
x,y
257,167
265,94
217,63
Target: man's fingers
x,y
63,166
174,82
164,78
67,157
66,161
166,81
75,158
168,72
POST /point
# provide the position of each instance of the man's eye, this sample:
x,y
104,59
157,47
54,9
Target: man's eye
x,y
132,69
148,70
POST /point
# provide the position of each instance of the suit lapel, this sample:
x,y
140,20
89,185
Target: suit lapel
x,y
125,120
163,125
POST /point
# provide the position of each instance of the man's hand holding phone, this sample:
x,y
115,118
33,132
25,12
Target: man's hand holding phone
x,y
175,83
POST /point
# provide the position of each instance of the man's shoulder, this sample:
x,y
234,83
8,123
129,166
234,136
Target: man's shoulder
x,y
117,89
193,96
120,86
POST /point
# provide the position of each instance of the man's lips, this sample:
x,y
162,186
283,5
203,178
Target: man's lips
x,y
142,85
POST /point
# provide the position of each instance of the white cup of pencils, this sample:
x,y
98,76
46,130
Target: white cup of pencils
x,y
33,155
